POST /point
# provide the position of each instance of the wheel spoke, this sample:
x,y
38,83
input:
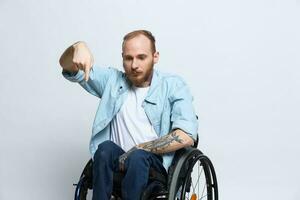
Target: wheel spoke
x,y
199,175
205,186
198,184
202,197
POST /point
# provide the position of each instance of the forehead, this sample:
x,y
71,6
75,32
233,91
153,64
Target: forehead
x,y
137,45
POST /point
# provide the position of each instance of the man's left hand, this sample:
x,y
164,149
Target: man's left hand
x,y
123,158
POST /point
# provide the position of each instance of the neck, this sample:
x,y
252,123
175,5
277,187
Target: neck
x,y
145,83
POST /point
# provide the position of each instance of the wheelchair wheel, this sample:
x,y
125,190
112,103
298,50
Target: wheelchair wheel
x,y
194,178
84,183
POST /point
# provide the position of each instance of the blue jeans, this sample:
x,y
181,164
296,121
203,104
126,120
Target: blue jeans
x,y
136,175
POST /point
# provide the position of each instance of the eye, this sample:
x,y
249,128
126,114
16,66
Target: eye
x,y
127,58
142,57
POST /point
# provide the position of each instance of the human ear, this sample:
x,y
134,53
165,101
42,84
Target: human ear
x,y
156,56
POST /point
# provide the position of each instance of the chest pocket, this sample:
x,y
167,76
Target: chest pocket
x,y
153,112
159,116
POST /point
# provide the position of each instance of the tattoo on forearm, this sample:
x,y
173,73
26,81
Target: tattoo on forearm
x,y
162,143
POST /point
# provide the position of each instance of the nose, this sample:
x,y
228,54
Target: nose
x,y
134,64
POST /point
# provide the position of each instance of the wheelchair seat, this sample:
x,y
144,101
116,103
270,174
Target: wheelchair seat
x,y
190,168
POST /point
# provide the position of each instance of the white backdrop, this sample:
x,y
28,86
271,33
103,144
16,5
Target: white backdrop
x,y
240,59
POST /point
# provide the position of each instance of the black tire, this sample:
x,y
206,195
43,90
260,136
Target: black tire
x,y
85,182
181,179
81,190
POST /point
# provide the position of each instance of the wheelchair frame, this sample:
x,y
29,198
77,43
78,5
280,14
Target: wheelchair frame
x,y
178,181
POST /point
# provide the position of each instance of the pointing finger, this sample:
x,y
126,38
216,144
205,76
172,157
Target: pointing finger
x,y
87,73
79,66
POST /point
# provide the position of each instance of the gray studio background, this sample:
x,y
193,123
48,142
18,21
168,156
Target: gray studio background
x,y
240,59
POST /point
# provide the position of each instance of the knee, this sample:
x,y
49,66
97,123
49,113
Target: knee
x,y
106,145
104,150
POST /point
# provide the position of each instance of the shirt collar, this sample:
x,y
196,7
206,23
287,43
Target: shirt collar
x,y
152,94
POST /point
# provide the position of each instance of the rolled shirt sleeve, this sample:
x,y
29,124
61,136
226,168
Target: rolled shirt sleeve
x,y
97,82
182,111
73,77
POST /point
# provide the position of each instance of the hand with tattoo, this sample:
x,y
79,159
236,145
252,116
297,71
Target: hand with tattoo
x,y
123,158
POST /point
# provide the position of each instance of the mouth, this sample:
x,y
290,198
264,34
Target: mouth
x,y
135,74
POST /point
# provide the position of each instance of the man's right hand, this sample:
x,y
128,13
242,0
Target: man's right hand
x,y
77,57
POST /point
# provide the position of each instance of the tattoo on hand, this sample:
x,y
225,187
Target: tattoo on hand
x,y
123,157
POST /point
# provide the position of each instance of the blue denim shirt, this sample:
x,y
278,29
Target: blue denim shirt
x,y
168,103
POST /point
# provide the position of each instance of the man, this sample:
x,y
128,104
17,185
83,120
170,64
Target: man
x,y
143,116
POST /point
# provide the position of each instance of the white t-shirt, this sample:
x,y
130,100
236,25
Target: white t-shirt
x,y
131,125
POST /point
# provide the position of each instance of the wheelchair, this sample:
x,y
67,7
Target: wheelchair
x,y
190,176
